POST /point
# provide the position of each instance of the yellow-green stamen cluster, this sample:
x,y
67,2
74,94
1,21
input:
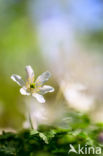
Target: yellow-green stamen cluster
x,y
32,85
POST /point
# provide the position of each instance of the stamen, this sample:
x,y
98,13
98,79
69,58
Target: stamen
x,y
32,85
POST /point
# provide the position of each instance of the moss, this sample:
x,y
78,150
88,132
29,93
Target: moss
x,y
51,141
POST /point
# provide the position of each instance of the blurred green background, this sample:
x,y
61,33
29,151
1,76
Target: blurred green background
x,y
18,48
20,45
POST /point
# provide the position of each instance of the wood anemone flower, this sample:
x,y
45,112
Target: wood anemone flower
x,y
33,87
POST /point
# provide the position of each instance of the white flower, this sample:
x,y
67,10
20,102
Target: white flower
x,y
33,87
76,96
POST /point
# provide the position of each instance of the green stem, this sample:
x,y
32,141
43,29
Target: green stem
x,y
59,94
30,121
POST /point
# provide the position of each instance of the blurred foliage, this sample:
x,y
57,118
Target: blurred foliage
x,y
96,37
93,39
18,48
51,141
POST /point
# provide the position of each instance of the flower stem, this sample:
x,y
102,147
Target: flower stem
x,y
59,94
30,121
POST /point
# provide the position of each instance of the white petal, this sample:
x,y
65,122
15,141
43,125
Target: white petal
x,y
42,78
45,89
30,73
39,97
24,92
17,79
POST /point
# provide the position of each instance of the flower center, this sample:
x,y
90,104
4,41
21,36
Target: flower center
x,y
32,85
